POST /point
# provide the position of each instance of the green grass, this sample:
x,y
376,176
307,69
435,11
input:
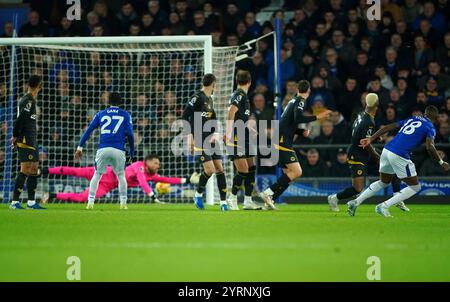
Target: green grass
x,y
180,243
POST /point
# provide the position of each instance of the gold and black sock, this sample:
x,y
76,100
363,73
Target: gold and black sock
x,y
202,182
18,187
347,193
280,186
31,186
249,181
222,185
238,179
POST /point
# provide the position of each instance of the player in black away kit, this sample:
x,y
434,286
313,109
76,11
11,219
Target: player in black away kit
x,y
24,140
204,142
291,117
237,140
363,126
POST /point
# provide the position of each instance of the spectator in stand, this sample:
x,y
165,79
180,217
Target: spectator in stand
x,y
35,26
349,99
336,67
185,13
291,91
339,167
287,70
320,96
390,116
314,166
175,25
422,56
253,26
434,70
374,86
8,30
411,10
385,79
434,94
421,100
432,168
429,13
443,54
362,70
126,17
159,15
231,17
345,50
341,131
327,137
200,26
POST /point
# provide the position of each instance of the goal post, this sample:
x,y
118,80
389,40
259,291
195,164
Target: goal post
x,y
155,75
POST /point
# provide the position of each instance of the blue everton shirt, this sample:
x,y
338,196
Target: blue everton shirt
x,y
413,133
115,127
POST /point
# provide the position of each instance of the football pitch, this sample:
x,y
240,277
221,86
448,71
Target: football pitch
x,y
170,242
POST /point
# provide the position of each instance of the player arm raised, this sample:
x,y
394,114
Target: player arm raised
x,y
429,143
92,126
368,140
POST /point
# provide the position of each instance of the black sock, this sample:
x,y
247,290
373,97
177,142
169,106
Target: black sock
x,y
347,193
31,186
280,186
202,182
18,187
222,185
250,181
237,182
396,184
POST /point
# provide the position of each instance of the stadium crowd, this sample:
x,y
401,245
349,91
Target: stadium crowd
x,y
404,58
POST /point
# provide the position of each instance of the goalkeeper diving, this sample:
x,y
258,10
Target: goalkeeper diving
x,y
138,174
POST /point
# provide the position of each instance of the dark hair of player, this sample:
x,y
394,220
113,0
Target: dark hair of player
x,y
431,112
34,81
115,99
243,77
151,156
303,86
208,79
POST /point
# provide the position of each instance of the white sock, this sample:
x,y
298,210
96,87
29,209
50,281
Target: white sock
x,y
268,191
31,203
404,194
247,200
370,191
197,194
93,186
122,188
15,202
223,202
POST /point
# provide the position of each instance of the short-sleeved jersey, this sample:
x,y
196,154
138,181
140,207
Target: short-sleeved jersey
x,y
24,129
115,126
413,133
200,105
291,117
363,126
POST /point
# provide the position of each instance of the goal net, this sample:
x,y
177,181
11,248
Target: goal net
x,y
155,76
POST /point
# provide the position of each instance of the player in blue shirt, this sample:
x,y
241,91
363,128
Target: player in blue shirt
x,y
395,159
115,127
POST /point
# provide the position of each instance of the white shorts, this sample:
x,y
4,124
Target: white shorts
x,y
110,157
391,163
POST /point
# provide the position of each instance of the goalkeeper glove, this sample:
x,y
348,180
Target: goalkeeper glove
x,y
154,198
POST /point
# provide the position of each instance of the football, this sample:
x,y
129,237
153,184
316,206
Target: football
x,y
162,188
